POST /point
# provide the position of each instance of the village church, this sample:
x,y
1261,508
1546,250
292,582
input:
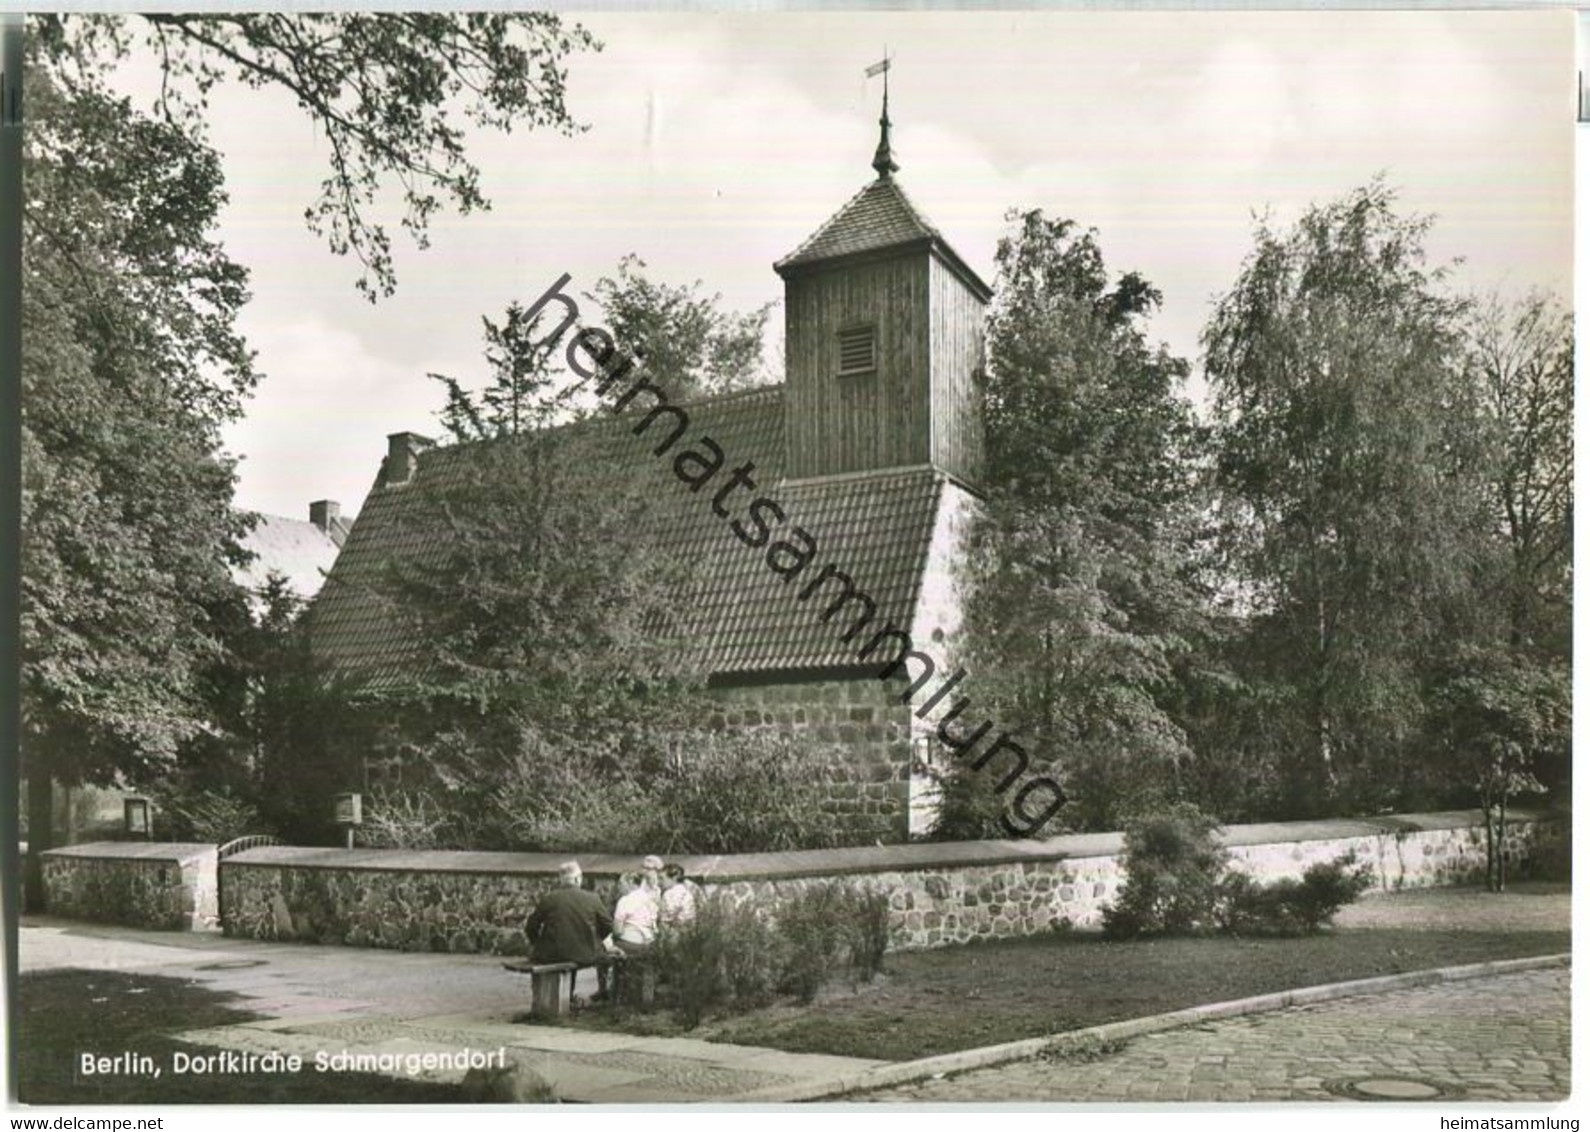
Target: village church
x,y
874,439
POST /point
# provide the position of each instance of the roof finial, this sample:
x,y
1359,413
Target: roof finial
x,y
883,160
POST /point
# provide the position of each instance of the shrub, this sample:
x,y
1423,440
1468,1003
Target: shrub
x,y
1327,888
760,792
1551,857
403,819
816,928
729,957
832,927
734,956
556,798
519,787
1290,907
868,923
213,816
1173,875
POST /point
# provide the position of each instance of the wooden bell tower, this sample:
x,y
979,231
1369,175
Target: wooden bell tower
x,y
883,340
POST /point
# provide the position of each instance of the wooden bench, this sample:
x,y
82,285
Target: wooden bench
x,y
552,984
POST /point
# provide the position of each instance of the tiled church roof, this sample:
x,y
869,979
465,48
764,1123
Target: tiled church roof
x,y
876,527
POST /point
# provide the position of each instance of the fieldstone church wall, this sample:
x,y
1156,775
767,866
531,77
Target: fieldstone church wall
x,y
866,778
939,894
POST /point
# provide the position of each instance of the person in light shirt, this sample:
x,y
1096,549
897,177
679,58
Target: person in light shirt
x,y
678,898
635,916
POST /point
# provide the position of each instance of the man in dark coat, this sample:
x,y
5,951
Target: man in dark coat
x,y
568,924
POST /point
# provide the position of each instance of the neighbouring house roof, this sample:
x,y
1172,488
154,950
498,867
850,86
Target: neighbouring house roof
x,y
876,526
879,217
296,549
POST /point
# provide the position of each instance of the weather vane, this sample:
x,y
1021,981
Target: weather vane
x,y
883,160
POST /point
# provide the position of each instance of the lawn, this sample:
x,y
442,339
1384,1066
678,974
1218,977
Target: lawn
x,y
932,1002
67,1012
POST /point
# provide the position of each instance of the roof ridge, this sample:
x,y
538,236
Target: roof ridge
x,y
596,417
279,517
736,394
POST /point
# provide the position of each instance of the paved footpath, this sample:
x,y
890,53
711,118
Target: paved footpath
x,y
1503,1038
315,998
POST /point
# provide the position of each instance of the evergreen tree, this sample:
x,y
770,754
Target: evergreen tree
x,y
1081,594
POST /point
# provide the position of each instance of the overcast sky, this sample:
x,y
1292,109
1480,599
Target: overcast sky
x,y
717,143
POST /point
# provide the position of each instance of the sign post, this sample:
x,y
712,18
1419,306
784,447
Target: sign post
x,y
136,817
349,813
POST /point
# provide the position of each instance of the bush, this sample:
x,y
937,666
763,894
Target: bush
x,y
1173,875
213,816
729,958
1290,907
815,926
1328,888
567,797
832,927
518,787
760,792
868,923
735,956
403,819
1551,857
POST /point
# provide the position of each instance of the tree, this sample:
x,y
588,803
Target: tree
x,y
308,732
690,345
1520,359
134,363
551,623
1499,717
522,395
1080,589
1343,467
382,88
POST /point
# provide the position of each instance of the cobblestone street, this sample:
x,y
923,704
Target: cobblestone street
x,y
1503,1038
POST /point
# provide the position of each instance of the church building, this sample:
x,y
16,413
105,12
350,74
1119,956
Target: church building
x,y
872,444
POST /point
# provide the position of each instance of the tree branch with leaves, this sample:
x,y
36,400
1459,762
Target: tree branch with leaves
x,y
393,94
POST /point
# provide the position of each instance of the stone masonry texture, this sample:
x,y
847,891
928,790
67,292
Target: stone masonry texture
x,y
938,894
863,724
141,884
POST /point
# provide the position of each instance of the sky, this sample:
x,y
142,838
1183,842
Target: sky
x,y
716,143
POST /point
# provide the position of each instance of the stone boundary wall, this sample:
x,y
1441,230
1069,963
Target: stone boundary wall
x,y
939,894
171,885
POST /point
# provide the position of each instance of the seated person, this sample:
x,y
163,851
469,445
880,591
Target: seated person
x,y
635,917
678,898
568,923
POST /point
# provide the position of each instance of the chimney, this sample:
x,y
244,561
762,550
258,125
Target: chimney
x,y
326,515
323,513
402,457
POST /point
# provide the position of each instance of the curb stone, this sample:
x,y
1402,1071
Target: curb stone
x,y
905,1072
